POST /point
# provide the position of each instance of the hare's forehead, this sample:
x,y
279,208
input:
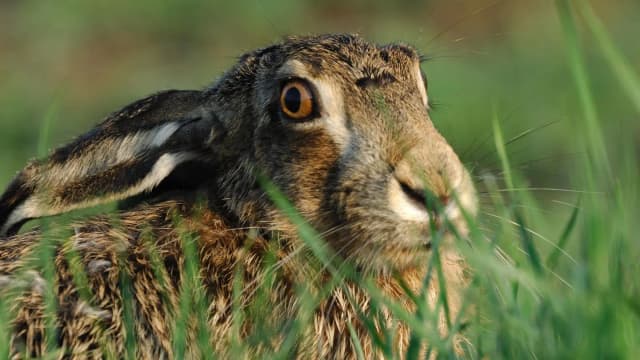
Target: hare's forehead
x,y
350,72
352,65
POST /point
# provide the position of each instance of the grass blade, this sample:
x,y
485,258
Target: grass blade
x,y
628,79
356,341
552,260
593,131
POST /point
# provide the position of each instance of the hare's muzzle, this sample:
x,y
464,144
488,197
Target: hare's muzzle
x,y
430,185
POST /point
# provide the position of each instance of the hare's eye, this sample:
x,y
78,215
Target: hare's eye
x,y
296,100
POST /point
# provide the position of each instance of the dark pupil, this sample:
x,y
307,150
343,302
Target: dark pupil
x,y
292,100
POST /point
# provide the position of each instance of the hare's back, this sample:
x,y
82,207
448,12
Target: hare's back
x,y
108,269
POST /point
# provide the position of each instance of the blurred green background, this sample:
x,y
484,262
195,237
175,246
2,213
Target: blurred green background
x,y
73,62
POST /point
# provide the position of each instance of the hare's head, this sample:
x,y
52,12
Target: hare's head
x,y
339,125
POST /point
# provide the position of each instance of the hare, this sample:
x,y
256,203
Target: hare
x,y
339,126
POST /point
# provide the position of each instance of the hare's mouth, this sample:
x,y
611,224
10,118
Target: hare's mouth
x,y
402,243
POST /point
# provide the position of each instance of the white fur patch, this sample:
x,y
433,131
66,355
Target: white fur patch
x,y
161,169
163,133
333,113
467,198
28,209
5,281
29,279
131,145
421,87
403,206
84,309
452,211
98,266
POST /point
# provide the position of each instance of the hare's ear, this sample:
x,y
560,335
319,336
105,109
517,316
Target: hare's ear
x,y
131,152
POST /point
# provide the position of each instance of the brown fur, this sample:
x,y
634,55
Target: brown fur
x,y
337,170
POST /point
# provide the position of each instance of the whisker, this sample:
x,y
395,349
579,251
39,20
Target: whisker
x,y
511,262
557,276
461,20
509,115
529,230
530,131
517,137
526,163
547,189
573,206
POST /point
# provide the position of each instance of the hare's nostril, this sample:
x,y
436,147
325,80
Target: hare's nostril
x,y
425,198
407,202
416,195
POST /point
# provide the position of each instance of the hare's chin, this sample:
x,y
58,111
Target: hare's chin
x,y
399,259
416,252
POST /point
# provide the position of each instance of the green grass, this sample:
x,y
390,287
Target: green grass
x,y
554,271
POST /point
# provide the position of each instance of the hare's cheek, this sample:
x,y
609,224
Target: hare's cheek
x,y
465,206
313,158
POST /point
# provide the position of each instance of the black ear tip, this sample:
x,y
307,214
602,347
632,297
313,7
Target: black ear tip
x,y
13,229
17,192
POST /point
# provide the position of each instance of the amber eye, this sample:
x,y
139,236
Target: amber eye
x,y
296,100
